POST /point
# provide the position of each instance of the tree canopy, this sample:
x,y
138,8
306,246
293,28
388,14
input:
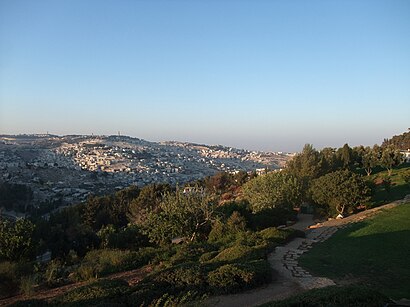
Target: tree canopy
x,y
179,214
16,239
273,190
340,191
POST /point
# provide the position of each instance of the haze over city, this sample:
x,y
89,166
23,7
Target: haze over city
x,y
264,75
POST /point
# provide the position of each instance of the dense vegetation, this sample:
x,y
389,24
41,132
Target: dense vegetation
x,y
212,238
401,141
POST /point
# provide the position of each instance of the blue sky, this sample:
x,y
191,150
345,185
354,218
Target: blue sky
x,y
268,75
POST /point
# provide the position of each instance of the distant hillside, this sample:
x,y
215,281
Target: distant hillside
x,y
401,141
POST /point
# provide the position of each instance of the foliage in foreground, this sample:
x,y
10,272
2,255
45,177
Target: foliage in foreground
x,y
334,296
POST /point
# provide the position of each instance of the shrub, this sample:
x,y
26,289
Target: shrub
x,y
27,284
181,299
232,278
220,233
336,297
280,236
11,274
189,252
228,208
271,218
184,275
9,282
156,255
53,274
84,272
171,286
224,232
129,237
207,256
236,222
229,278
239,253
97,292
98,263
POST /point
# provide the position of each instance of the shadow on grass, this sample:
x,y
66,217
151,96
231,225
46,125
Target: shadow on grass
x,y
377,260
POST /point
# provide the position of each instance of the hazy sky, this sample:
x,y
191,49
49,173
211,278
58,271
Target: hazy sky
x,y
270,75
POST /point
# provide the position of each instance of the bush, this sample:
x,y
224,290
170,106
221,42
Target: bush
x,y
97,292
156,255
271,218
189,252
184,275
280,236
207,256
232,278
54,273
129,237
224,232
27,284
229,278
11,275
240,253
219,233
9,282
228,208
98,263
336,297
84,272
171,286
181,299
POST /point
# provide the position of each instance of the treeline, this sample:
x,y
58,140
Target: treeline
x,y
401,141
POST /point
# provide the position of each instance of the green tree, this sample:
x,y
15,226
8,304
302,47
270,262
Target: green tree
x,y
390,158
306,166
180,215
218,182
406,177
340,191
369,159
147,201
240,177
67,232
16,240
401,141
330,160
345,154
273,190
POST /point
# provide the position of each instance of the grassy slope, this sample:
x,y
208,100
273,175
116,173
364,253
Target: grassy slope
x,y
375,252
399,189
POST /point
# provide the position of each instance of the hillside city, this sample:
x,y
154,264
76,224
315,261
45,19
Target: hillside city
x,y
66,169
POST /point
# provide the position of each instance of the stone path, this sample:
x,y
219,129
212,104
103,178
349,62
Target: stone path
x,y
285,258
291,278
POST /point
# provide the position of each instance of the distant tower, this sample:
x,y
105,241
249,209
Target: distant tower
x,y
119,134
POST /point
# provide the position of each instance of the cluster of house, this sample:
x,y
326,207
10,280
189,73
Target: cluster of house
x,y
67,169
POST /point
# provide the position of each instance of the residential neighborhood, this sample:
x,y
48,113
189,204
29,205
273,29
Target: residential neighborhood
x,y
61,170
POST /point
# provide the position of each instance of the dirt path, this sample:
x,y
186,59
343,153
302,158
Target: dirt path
x,y
290,278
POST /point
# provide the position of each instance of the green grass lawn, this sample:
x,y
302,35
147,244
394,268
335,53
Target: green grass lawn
x,y
375,252
399,189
